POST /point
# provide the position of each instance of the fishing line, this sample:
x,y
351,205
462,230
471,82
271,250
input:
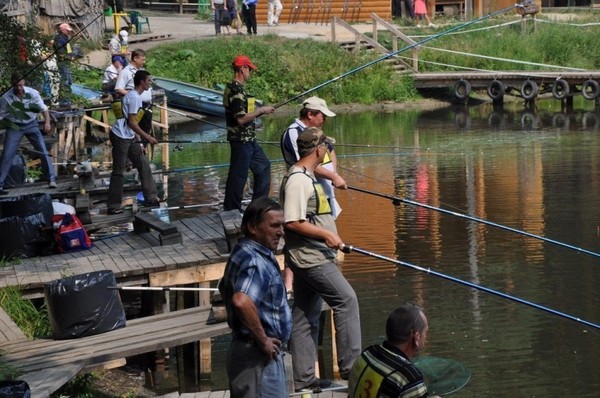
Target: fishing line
x,y
53,53
164,288
392,53
397,200
348,249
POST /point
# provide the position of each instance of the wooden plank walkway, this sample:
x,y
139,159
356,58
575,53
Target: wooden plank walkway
x,y
46,364
132,257
226,394
9,331
481,80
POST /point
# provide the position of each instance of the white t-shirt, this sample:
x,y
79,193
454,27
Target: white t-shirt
x,y
130,104
125,81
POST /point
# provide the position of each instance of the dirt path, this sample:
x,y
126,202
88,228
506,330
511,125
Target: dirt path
x,y
176,27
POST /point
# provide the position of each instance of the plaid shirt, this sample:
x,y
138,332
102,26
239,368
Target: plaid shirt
x,y
252,269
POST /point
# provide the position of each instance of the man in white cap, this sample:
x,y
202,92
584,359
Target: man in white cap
x,y
314,112
118,44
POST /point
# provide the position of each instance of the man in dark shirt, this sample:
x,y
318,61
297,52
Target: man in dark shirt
x,y
385,370
246,154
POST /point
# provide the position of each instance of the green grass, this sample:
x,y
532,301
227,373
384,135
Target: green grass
x,y
32,320
288,67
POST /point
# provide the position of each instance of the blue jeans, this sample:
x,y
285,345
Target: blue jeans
x,y
246,156
253,375
121,151
11,145
311,285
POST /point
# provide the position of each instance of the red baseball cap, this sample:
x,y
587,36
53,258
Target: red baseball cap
x,y
242,60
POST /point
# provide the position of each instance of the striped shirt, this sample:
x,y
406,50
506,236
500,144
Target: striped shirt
x,y
252,269
383,371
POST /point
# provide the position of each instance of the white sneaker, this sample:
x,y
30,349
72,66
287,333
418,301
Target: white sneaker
x,y
52,184
418,25
432,25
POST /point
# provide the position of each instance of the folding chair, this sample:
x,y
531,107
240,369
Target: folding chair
x,y
138,20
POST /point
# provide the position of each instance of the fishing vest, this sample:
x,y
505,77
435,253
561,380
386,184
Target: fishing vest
x,y
300,250
322,205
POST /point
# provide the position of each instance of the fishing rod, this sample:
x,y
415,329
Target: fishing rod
x,y
67,162
185,207
198,118
348,249
164,288
393,53
396,201
53,53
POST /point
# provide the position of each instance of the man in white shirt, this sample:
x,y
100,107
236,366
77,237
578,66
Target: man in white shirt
x,y
125,84
125,137
24,123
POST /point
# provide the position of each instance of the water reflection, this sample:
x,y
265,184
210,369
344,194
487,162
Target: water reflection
x,y
533,170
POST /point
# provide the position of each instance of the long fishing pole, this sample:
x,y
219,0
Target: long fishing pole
x,y
348,249
185,207
164,288
393,53
396,200
198,118
53,53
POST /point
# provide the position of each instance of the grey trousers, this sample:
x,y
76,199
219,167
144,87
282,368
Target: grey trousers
x,y
253,375
121,151
311,286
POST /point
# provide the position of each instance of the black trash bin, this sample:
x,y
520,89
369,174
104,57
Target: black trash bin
x,y
26,226
14,389
83,305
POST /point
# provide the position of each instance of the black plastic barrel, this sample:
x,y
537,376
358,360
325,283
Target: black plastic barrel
x,y
14,389
83,305
26,225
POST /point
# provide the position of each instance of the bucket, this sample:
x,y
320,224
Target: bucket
x,y
108,12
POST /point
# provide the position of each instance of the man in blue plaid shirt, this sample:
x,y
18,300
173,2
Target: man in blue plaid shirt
x,y
257,308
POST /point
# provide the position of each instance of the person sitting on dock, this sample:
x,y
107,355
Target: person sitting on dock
x,y
257,308
109,79
126,136
385,369
246,153
23,121
311,244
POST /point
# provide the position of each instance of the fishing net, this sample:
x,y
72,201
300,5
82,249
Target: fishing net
x,y
442,376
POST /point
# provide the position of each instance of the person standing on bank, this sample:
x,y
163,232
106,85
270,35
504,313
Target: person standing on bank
x,y
257,309
64,54
125,137
273,12
249,13
385,370
311,244
221,15
24,123
246,153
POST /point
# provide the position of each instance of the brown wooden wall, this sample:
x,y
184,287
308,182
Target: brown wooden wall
x,y
316,10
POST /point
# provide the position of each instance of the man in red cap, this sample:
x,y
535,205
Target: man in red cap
x,y
246,154
64,54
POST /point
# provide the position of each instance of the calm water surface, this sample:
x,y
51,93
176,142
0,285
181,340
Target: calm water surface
x,y
535,172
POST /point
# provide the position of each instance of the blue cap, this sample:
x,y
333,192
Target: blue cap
x,y
119,58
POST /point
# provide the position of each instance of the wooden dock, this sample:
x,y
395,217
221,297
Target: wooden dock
x,y
134,258
48,364
562,85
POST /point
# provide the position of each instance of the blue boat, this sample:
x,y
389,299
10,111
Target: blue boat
x,y
85,92
190,97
